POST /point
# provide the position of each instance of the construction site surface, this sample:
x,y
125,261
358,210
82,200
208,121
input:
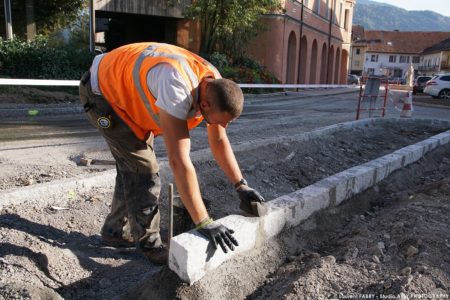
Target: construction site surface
x,y
382,228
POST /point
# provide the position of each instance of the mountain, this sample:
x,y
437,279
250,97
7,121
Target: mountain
x,y
381,16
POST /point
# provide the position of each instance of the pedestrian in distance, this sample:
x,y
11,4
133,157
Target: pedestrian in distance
x,y
143,90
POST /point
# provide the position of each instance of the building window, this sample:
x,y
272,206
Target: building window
x,y
358,51
357,63
416,59
398,73
374,58
392,58
370,71
316,7
404,59
328,10
334,12
347,13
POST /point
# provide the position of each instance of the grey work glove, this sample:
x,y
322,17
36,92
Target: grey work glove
x,y
251,201
218,234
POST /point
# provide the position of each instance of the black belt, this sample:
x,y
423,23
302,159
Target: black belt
x,y
86,77
84,80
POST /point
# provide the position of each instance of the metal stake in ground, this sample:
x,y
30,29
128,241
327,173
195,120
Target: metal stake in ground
x,y
170,192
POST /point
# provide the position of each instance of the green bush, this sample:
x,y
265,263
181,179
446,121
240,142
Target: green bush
x,y
247,70
219,60
37,59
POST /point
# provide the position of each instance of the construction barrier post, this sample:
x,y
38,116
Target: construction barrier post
x,y
407,106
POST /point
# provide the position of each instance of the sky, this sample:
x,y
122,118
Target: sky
x,y
440,6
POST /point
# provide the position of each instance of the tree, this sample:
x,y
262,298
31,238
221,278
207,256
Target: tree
x,y
48,14
227,25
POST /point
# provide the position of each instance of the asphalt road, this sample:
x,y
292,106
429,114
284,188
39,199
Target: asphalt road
x,y
278,114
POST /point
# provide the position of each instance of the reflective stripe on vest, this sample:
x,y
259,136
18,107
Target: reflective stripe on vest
x,y
151,51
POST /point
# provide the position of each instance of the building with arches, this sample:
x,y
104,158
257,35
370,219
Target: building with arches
x,y
308,43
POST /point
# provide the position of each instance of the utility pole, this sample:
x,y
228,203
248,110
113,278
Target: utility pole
x,y
31,23
91,26
300,42
8,20
329,43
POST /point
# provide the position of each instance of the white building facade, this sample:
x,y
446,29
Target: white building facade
x,y
393,65
430,64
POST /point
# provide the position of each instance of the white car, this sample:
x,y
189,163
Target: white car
x,y
438,86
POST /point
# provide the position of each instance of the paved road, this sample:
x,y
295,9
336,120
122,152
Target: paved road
x,y
279,114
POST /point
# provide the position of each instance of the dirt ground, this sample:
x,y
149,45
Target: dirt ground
x,y
41,95
363,247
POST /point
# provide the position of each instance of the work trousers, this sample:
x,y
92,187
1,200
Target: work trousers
x,y
136,193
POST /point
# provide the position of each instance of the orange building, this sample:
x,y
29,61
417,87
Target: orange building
x,y
308,43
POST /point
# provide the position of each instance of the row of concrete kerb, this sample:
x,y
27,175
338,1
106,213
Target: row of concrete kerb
x,y
190,256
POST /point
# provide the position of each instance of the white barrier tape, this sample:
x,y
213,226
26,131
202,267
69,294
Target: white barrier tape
x,y
4,81
294,86
7,81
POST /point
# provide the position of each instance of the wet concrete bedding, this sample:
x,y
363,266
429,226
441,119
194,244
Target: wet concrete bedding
x,y
55,251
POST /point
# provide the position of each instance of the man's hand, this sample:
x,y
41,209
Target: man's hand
x,y
219,234
251,201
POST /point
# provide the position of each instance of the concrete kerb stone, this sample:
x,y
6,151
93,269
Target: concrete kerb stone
x,y
56,192
190,250
188,258
62,191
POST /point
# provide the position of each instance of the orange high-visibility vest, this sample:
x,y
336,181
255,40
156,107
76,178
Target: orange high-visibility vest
x,y
122,77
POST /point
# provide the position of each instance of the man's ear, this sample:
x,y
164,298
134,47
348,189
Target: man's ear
x,y
204,103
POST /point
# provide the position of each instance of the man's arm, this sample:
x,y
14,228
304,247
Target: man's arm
x,y
251,200
178,146
223,153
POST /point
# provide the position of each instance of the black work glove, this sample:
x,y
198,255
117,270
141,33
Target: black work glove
x,y
218,234
251,201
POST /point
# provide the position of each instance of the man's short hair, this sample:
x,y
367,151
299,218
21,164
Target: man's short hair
x,y
228,96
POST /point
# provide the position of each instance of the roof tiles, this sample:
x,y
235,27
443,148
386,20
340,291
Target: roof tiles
x,y
407,42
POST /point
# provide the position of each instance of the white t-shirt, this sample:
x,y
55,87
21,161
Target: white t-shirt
x,y
171,93
166,85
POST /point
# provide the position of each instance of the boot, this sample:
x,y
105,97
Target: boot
x,y
157,255
117,242
125,240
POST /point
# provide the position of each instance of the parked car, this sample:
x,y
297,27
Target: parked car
x,y
420,83
396,80
438,86
352,79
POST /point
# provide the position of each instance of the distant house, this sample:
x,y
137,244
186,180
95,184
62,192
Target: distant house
x,y
436,59
308,41
390,53
358,49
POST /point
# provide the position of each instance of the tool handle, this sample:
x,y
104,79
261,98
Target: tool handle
x,y
170,192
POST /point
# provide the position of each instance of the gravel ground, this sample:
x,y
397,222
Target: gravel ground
x,y
365,246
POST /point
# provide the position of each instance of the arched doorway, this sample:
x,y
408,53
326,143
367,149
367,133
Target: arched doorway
x,y
336,67
344,67
313,65
330,65
291,61
323,64
303,60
